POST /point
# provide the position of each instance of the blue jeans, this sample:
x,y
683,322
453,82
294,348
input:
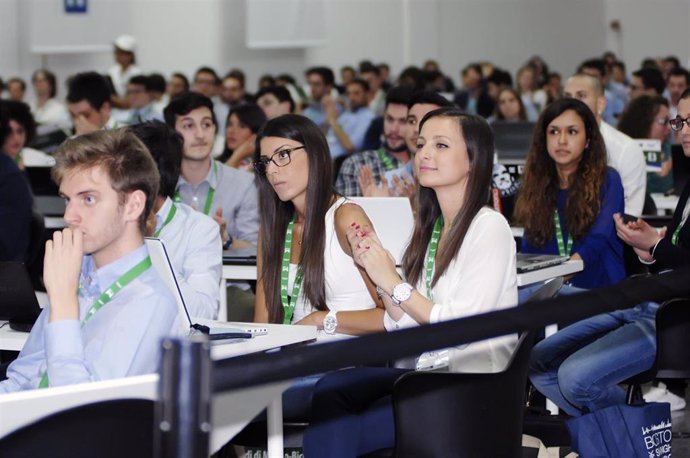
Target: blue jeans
x,y
352,413
579,368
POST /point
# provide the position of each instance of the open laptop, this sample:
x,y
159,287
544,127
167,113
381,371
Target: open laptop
x,y
393,221
527,262
240,257
681,168
512,141
216,330
18,303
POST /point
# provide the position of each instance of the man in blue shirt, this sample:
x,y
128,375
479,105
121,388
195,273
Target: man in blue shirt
x,y
346,131
321,83
108,308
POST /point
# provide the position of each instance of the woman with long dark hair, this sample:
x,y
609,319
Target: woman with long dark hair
x,y
461,261
305,266
509,107
241,126
569,195
647,116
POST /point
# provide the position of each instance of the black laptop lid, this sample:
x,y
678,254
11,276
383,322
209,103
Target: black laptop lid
x,y
512,140
17,298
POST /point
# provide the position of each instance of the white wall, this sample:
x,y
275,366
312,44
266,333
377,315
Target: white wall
x,y
649,29
181,35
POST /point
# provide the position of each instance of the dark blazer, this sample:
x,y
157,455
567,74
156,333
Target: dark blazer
x,y
16,202
668,255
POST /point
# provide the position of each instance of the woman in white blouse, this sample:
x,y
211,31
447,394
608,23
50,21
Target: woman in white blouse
x,y
461,261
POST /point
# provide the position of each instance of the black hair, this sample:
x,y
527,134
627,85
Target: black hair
x,y
89,86
184,79
399,95
236,74
680,71
21,82
673,60
276,214
184,104
429,97
20,113
280,93
369,68
156,82
597,64
325,73
267,81
208,70
287,78
473,66
50,77
141,80
165,146
362,83
412,77
500,77
250,115
652,78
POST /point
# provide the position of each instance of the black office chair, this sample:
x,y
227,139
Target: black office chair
x,y
119,428
36,250
672,340
462,415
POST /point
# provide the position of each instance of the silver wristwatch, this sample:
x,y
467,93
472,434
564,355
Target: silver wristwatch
x,y
330,323
401,293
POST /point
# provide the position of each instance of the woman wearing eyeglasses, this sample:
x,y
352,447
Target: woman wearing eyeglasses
x,y
306,271
647,117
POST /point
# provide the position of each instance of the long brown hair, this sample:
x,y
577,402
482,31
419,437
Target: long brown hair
x,y
480,150
536,200
276,214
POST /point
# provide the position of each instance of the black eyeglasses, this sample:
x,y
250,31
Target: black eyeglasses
x,y
677,123
280,158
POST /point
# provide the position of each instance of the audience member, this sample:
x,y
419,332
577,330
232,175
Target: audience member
x,y
649,81
232,94
88,101
244,121
16,199
473,97
140,99
347,74
375,95
47,110
321,82
509,107
191,238
569,195
471,252
275,101
385,73
16,89
580,367
109,182
224,193
618,74
553,88
616,95
20,131
125,68
533,98
266,81
157,89
346,131
677,82
207,83
178,85
624,154
647,117
391,156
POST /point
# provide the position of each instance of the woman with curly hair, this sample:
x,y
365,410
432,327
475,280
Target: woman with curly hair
x,y
569,195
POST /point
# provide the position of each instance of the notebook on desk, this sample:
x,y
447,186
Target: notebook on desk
x,y
18,303
527,262
216,330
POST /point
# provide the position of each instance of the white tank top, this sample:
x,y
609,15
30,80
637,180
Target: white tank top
x,y
345,288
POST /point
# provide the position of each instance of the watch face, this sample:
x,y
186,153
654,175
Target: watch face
x,y
330,323
402,292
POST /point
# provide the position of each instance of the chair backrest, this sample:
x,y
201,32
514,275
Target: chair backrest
x,y
116,428
673,339
462,415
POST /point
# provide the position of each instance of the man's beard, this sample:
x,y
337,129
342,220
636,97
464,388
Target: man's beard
x,y
398,149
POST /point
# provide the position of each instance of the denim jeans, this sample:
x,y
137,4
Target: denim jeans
x,y
579,368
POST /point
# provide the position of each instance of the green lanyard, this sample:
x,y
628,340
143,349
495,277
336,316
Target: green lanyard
x,y
674,237
18,159
383,157
209,195
431,255
106,296
563,248
171,215
289,304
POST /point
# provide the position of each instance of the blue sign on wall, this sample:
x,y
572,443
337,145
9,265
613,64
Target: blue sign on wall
x,y
76,6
